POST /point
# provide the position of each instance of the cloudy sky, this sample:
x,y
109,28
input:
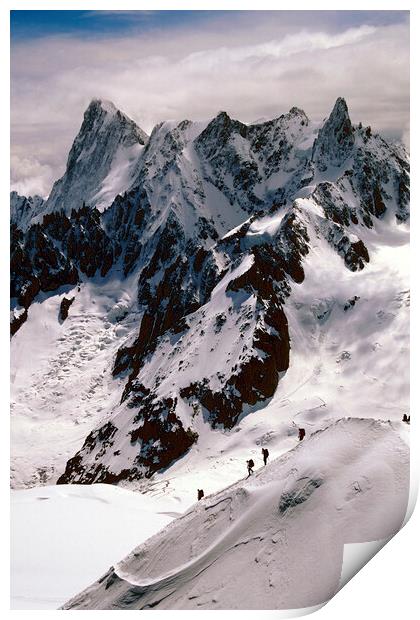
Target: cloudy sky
x,y
158,65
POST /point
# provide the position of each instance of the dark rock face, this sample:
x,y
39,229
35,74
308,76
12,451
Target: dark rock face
x,y
335,208
54,253
253,381
57,251
65,306
403,194
23,209
124,223
350,303
36,265
369,188
17,321
101,438
157,432
354,252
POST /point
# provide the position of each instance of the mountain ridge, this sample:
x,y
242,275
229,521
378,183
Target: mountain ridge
x,y
100,160
218,226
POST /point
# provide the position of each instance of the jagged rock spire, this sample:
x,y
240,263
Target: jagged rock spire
x,y
335,139
105,137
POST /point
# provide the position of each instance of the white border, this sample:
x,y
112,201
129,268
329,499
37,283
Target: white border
x,y
387,586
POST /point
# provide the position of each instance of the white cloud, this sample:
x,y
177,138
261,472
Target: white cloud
x,y
250,70
29,176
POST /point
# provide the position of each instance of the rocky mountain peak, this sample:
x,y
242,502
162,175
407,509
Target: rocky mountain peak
x,y
102,117
101,160
339,122
98,106
298,113
222,116
335,139
219,130
340,109
23,208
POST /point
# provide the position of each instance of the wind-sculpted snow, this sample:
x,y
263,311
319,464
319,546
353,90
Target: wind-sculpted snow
x,y
218,227
259,543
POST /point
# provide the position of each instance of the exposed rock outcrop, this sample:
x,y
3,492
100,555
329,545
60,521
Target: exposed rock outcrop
x,y
158,438
65,306
336,138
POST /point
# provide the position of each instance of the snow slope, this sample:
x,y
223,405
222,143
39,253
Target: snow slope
x,y
23,209
275,540
63,537
61,374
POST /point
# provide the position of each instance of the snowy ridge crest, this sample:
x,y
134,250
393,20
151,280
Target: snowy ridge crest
x,y
262,525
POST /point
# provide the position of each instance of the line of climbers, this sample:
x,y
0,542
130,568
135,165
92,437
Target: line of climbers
x,y
250,463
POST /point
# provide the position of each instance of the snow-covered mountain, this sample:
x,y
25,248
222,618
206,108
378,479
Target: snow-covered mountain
x,y
23,209
274,541
101,160
247,278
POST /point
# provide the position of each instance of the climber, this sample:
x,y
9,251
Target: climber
x,y
200,494
302,433
250,465
265,454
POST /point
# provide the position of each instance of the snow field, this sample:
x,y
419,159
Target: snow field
x,y
62,537
260,543
61,376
